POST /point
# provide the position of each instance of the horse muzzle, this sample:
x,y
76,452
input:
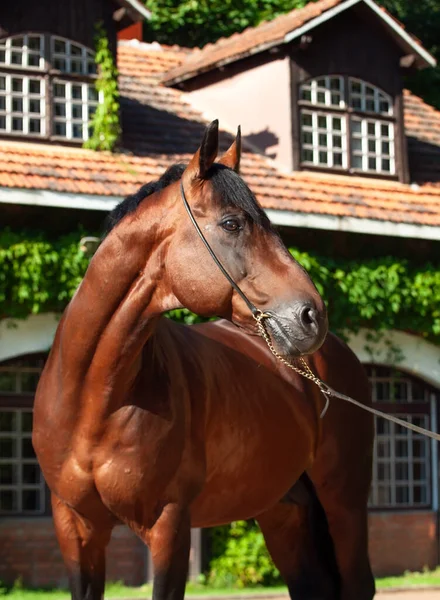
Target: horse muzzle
x,y
296,329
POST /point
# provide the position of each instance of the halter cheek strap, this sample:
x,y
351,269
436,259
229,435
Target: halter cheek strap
x,y
254,310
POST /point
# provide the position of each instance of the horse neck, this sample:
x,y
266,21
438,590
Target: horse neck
x,y
114,310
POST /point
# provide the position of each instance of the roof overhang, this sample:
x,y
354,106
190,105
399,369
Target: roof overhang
x,y
405,41
135,9
283,218
409,46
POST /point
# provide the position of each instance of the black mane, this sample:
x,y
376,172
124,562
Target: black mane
x,y
230,187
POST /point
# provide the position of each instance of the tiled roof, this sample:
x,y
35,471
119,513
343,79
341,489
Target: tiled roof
x,y
253,40
161,128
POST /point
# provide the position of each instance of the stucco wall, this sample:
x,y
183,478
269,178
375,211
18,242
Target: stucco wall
x,y
258,99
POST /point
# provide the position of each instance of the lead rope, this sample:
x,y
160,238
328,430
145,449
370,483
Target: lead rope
x,y
326,390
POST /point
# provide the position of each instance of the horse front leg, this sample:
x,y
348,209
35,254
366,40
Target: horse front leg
x,y
83,548
169,541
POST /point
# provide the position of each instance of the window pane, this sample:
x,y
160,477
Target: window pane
x,y
2,123
307,155
322,139
356,126
26,421
383,472
17,42
59,64
402,471
34,106
31,500
7,381
27,450
337,123
60,129
337,141
34,86
17,124
16,58
8,422
420,494
356,103
8,474
307,137
34,126
60,109
356,161
419,471
59,46
323,158
356,144
322,122
17,84
76,92
8,500
17,104
34,43
33,60
77,131
337,160
92,93
2,83
306,95
8,447
30,474
306,119
372,164
402,494
320,97
29,381
60,90
76,111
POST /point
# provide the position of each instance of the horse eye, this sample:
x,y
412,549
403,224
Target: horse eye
x,y
231,225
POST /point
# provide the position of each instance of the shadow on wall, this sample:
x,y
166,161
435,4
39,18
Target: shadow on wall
x,y
151,131
263,140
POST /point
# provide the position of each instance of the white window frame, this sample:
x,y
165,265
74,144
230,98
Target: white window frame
x,y
18,462
310,103
389,435
85,76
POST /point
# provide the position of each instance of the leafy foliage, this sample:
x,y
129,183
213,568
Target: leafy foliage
x,y
40,275
195,23
240,557
105,123
198,22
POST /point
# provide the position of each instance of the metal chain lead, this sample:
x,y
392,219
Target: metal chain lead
x,y
327,391
308,373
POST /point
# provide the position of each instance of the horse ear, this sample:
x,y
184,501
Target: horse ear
x,y
231,157
206,154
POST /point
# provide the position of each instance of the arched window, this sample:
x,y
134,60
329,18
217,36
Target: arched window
x,y
22,486
47,87
346,124
402,458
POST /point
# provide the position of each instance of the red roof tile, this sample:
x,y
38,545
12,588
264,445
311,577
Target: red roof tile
x,y
161,128
253,40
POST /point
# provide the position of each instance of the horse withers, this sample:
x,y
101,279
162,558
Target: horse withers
x,y
129,429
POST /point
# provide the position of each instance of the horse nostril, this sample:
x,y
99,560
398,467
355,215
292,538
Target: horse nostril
x,y
309,318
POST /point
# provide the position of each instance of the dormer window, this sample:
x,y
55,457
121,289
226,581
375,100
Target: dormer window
x,y
347,125
46,88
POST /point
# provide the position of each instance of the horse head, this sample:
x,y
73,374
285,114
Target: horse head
x,y
242,238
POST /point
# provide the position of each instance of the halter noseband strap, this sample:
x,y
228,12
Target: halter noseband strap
x,y
254,310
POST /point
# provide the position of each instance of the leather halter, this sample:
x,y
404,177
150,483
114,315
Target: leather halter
x,y
254,310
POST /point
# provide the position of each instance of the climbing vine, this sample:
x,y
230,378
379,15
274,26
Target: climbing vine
x,y
105,124
38,274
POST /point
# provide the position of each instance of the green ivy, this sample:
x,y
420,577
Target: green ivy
x,y
105,123
40,275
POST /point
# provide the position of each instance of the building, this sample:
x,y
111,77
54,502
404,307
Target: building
x,y
337,153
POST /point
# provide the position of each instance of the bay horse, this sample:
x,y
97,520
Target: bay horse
x,y
127,428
